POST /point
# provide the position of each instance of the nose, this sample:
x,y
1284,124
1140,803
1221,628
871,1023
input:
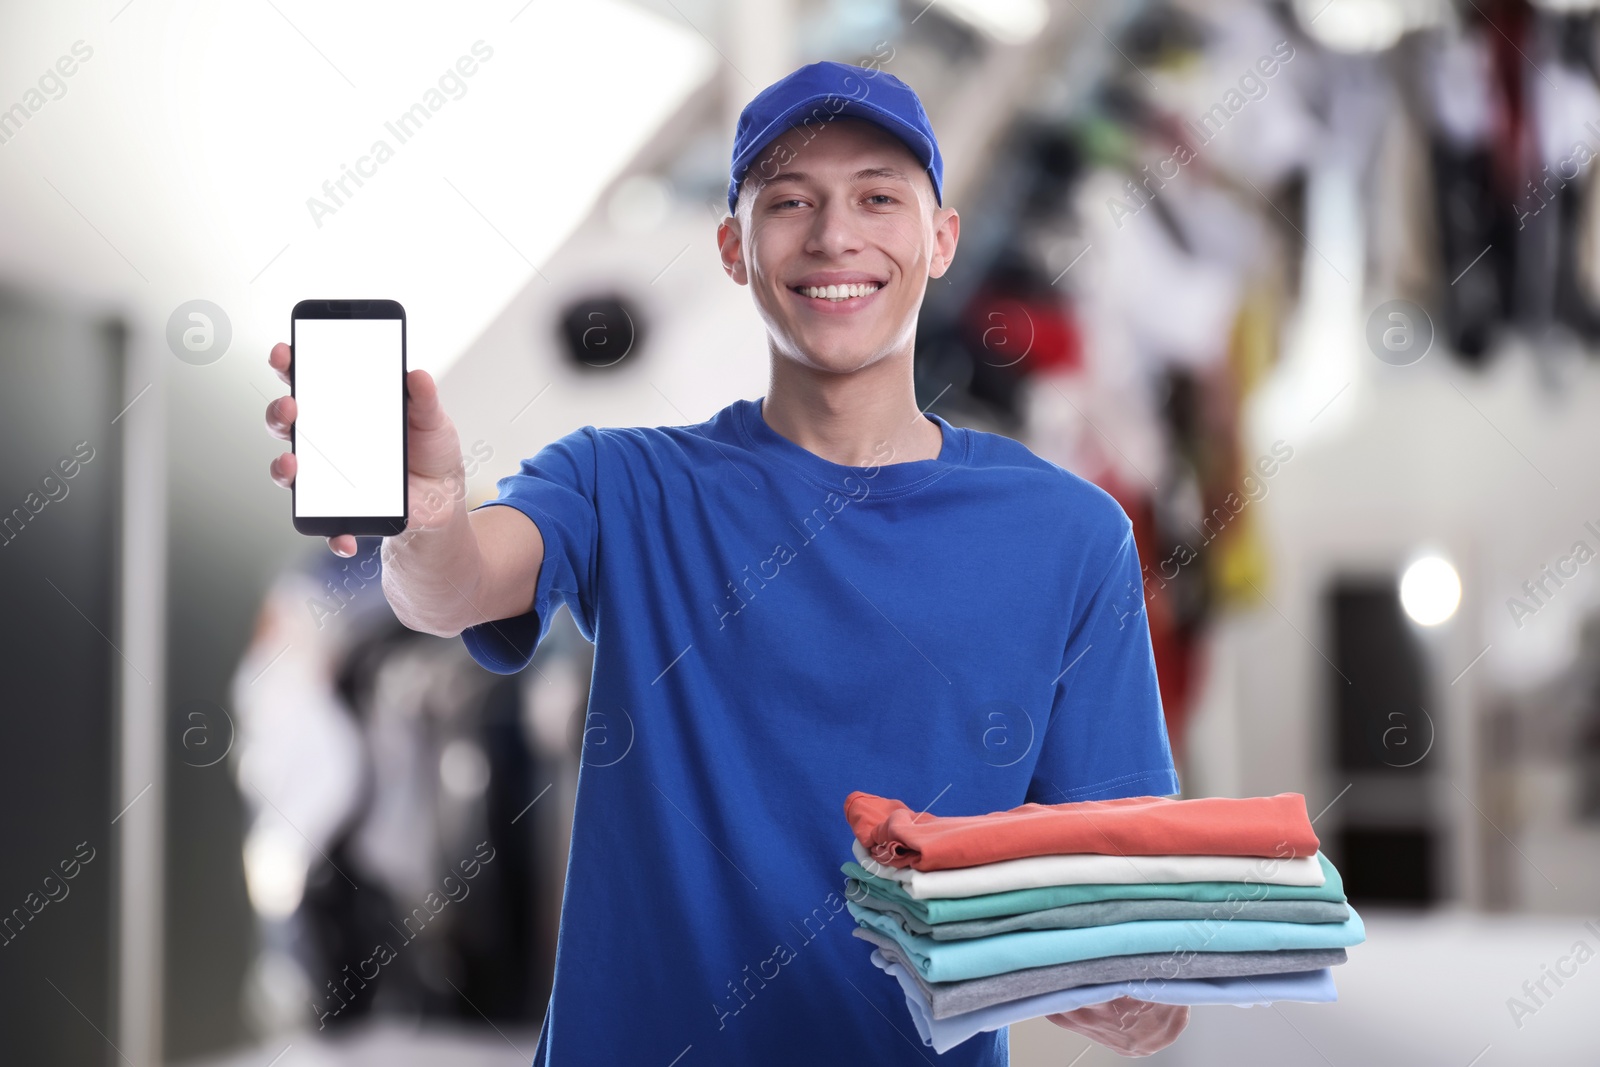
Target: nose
x,y
835,230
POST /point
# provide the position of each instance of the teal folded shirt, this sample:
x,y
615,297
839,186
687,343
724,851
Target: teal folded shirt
x,y
1104,913
954,961
1017,901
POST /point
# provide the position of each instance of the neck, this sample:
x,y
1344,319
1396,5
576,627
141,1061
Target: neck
x,y
849,418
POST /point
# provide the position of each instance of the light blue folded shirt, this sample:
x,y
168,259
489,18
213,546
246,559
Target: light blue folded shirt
x,y
978,957
1314,987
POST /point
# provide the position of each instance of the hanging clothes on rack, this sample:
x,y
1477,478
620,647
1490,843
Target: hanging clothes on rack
x,y
1566,103
1474,229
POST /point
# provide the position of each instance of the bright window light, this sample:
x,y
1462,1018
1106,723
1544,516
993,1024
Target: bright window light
x,y
376,164
1007,21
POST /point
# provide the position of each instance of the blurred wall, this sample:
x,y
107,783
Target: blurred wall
x,y
59,488
227,538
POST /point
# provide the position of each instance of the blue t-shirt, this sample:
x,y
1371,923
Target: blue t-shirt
x,y
773,630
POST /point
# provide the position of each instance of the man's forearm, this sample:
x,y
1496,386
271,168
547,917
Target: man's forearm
x,y
432,576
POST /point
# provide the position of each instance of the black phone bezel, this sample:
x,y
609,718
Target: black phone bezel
x,y
358,525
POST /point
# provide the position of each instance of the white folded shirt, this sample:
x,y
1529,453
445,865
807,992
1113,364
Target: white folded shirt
x,y
1086,868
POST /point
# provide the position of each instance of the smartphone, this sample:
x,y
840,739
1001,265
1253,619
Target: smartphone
x,y
348,379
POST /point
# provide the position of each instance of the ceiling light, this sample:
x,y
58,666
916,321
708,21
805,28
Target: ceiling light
x,y
1430,591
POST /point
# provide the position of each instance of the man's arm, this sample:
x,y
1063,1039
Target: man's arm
x,y
479,567
451,568
1107,734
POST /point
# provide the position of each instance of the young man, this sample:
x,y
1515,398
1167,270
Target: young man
x,y
818,591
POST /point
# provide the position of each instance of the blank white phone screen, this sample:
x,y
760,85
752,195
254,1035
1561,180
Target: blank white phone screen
x,y
349,428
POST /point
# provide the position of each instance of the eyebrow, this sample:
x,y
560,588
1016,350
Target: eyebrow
x,y
865,174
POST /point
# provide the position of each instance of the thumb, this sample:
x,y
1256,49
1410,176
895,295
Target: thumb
x,y
426,413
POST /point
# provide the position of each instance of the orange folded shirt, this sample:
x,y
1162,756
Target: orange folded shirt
x,y
896,836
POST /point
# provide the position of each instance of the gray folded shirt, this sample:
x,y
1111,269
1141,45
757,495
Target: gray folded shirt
x,y
1104,913
953,998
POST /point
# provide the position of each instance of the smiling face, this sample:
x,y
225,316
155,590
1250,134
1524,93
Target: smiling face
x,y
837,237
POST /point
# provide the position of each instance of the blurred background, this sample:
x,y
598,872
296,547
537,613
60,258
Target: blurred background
x,y
1311,288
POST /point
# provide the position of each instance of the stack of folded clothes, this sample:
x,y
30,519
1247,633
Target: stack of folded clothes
x,y
987,920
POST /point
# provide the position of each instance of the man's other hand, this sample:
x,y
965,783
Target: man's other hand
x,y
1127,1026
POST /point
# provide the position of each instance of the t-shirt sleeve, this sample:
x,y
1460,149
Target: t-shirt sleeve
x,y
1107,736
556,489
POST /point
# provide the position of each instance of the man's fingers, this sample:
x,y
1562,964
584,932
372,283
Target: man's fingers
x,y
283,469
1126,1025
278,360
280,416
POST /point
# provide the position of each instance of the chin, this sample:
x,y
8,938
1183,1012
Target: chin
x,y
836,359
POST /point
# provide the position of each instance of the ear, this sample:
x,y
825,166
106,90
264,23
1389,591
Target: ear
x,y
946,229
730,247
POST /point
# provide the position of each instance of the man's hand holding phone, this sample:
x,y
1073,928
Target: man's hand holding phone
x,y
451,568
434,463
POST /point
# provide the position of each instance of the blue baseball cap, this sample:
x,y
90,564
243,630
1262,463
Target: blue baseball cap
x,y
821,91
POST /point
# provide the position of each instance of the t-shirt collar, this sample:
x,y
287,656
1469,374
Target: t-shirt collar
x,y
890,475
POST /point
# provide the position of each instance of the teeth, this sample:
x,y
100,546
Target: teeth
x,y
839,292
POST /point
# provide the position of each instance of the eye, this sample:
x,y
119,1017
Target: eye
x,y
781,203
881,196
